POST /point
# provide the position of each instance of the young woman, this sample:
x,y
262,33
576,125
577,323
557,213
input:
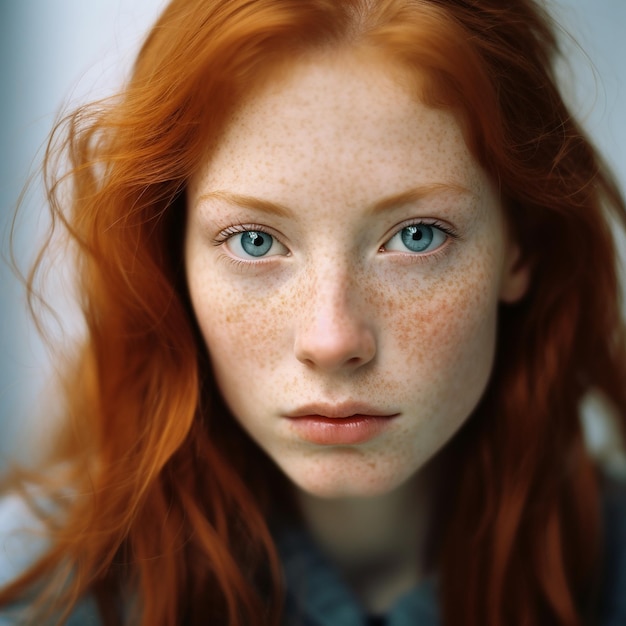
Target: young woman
x,y
347,272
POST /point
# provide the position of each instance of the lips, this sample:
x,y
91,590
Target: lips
x,y
339,424
342,410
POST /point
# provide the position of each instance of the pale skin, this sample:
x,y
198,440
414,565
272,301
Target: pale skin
x,y
334,163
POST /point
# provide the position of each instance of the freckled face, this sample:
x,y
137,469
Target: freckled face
x,y
343,246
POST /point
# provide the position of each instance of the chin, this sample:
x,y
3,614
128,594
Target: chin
x,y
323,482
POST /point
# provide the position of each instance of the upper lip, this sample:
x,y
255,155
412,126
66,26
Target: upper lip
x,y
339,410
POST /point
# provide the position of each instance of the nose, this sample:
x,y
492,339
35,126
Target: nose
x,y
334,332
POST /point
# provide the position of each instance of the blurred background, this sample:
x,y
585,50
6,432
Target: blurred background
x,y
57,54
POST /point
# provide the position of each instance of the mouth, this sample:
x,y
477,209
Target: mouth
x,y
340,411
339,424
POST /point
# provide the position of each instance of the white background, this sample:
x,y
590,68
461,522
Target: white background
x,y
59,53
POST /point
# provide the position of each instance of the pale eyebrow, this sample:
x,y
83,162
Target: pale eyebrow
x,y
248,202
386,204
418,193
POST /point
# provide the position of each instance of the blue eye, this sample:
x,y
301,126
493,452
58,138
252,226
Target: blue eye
x,y
417,238
255,244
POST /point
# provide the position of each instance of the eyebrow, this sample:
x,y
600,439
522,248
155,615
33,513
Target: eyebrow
x,y
248,202
416,194
385,204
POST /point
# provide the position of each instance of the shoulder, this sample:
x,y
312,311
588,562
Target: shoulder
x,y
614,571
23,540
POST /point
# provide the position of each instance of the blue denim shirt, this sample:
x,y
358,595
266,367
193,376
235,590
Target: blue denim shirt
x,y
316,596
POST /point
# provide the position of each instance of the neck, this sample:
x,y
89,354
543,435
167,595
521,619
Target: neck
x,y
377,543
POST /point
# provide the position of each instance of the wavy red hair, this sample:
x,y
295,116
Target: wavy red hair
x,y
169,506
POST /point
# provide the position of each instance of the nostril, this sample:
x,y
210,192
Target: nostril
x,y
355,360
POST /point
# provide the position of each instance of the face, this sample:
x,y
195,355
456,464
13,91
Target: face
x,y
346,257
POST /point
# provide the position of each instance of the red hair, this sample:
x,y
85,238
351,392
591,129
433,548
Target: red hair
x,y
169,509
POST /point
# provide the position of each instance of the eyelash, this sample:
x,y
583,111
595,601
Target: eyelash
x,y
237,229
448,230
444,227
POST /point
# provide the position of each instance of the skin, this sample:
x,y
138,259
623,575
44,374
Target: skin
x,y
339,309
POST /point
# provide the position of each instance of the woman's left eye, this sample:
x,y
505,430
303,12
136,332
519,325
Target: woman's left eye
x,y
254,244
417,239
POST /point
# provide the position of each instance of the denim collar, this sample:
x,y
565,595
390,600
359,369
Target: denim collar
x,y
317,596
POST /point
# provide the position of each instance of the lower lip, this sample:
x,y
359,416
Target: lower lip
x,y
331,431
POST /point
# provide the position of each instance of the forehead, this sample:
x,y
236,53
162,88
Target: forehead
x,y
344,126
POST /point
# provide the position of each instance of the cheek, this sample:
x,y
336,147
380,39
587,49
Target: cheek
x,y
443,330
244,330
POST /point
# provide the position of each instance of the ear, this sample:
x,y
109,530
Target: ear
x,y
515,275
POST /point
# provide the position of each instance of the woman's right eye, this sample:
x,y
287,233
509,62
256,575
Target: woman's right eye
x,y
254,244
